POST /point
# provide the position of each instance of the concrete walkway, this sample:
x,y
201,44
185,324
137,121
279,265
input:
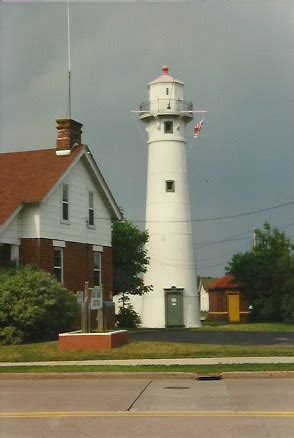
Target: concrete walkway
x,y
180,361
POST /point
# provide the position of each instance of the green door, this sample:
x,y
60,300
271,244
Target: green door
x,y
174,307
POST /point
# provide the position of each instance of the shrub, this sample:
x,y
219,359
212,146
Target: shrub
x,y
10,335
127,316
33,305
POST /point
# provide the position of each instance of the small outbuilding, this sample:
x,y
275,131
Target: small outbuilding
x,y
203,286
226,301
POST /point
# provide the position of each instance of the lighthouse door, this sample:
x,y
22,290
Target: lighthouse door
x,y
174,307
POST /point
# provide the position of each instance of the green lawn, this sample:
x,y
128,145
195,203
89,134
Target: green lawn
x,y
247,327
48,351
201,369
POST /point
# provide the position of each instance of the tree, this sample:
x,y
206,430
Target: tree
x,y
267,274
33,305
127,316
129,258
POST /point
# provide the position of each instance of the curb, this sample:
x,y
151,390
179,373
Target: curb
x,y
149,375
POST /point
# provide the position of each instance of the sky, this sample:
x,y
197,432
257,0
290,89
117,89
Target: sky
x,y
236,58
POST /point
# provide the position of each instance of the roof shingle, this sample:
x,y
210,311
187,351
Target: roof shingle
x,y
27,177
224,283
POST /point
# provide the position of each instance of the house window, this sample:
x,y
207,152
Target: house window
x,y
97,268
91,210
58,264
168,127
65,209
169,186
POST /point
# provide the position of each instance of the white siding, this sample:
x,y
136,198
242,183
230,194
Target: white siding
x,y
52,226
204,299
11,233
30,222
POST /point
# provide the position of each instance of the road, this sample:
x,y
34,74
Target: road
x,y
123,408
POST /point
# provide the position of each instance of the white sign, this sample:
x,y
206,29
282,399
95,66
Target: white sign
x,y
80,297
97,298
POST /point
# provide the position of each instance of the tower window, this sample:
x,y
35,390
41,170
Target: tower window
x,y
167,91
169,186
168,127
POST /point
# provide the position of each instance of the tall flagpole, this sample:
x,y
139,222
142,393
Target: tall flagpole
x,y
69,65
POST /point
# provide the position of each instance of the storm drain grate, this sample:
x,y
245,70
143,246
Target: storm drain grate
x,y
210,377
177,387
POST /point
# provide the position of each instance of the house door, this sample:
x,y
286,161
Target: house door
x,y
174,307
234,307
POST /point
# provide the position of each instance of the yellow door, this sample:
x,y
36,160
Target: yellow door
x,y
234,308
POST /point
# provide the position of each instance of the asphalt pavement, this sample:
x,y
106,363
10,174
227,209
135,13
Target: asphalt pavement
x,y
167,408
220,338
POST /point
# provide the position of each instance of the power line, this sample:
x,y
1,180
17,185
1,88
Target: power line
x,y
285,204
211,266
207,259
229,238
286,226
221,241
246,213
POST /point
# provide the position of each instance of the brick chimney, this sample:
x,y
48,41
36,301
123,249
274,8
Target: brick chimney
x,y
69,134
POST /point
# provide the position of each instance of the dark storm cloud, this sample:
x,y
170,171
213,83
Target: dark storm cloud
x,y
236,60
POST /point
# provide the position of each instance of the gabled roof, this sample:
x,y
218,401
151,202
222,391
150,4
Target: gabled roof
x,y
227,282
27,177
207,281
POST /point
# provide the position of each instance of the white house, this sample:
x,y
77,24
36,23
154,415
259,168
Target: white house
x,y
56,211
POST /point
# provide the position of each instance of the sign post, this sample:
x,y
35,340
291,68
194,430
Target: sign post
x,y
97,304
85,310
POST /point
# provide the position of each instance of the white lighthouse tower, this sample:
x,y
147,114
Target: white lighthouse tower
x,y
174,300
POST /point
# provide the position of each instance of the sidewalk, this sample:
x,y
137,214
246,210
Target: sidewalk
x,y
180,361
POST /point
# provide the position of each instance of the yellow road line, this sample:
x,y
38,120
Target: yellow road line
x,y
144,414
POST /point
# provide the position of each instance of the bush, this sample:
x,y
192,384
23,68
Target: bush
x,y
10,335
33,305
127,317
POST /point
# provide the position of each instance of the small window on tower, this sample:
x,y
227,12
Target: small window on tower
x,y
167,91
168,127
170,186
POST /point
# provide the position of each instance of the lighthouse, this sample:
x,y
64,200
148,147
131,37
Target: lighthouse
x,y
174,300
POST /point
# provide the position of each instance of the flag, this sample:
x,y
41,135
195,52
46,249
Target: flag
x,y
198,128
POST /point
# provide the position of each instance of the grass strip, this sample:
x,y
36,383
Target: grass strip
x,y
200,369
273,327
48,351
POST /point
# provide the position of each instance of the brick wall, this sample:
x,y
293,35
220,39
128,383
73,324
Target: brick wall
x,y
37,252
78,265
78,262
